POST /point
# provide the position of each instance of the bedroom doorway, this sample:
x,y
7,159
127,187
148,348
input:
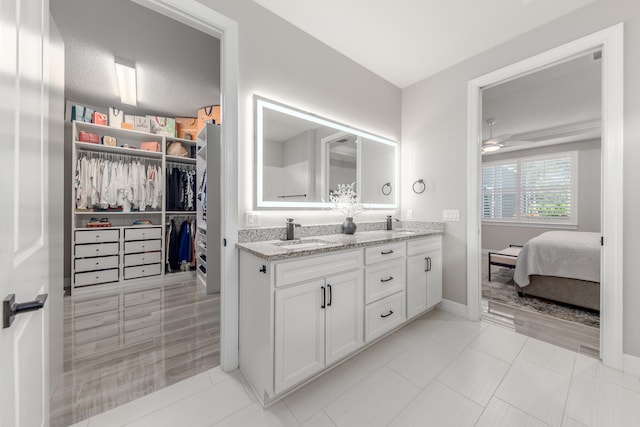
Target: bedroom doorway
x,y
541,175
610,41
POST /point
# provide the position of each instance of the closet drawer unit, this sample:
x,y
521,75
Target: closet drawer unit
x,y
384,315
142,246
141,271
419,246
143,258
96,305
95,320
92,347
99,263
142,297
97,236
314,267
98,249
384,252
142,233
96,277
384,279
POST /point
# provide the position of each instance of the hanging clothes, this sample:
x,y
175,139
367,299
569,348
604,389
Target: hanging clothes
x,y
181,188
202,194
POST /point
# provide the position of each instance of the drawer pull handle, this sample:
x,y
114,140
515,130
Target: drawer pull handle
x,y
390,251
388,314
387,280
330,295
324,298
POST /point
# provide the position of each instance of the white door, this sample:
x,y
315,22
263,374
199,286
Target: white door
x,y
416,285
434,277
24,255
299,333
344,315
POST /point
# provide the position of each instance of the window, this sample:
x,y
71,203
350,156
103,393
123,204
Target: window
x,y
540,189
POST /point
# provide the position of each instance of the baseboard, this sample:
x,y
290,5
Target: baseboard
x,y
631,364
453,307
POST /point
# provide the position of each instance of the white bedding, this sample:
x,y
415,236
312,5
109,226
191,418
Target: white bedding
x,y
572,254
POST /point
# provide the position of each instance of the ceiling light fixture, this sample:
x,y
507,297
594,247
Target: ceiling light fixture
x,y
126,73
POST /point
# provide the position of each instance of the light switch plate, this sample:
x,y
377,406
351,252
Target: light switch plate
x,y
252,219
451,215
409,213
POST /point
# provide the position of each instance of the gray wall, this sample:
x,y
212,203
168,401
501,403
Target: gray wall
x,y
280,62
500,236
434,127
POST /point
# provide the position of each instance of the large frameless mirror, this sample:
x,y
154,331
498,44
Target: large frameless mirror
x,y
301,158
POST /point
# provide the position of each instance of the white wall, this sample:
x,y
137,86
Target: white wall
x,y
434,115
497,237
280,62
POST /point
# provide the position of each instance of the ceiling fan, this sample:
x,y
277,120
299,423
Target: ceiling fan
x,y
494,144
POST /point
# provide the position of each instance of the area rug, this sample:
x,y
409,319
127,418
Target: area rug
x,y
502,289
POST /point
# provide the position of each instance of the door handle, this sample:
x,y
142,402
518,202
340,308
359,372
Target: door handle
x,y
330,296
324,297
10,308
428,263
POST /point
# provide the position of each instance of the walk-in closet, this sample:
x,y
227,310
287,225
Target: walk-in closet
x,y
142,217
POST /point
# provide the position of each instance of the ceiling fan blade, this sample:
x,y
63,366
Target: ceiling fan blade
x,y
497,139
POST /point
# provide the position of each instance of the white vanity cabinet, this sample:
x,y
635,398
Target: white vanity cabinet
x,y
424,274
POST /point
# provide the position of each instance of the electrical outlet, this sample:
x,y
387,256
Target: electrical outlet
x,y
252,219
409,213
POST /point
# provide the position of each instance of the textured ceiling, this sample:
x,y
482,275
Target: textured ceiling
x,y
178,67
405,41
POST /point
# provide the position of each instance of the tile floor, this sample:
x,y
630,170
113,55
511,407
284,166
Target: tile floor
x,y
440,370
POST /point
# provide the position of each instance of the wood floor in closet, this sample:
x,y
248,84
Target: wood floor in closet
x,y
187,343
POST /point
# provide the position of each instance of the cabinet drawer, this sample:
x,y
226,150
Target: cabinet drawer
x,y
384,252
384,279
95,320
141,246
313,267
99,263
96,305
99,249
142,297
143,258
96,334
423,245
141,271
96,277
142,233
384,315
97,236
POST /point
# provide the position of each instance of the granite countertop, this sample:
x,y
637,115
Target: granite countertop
x,y
274,250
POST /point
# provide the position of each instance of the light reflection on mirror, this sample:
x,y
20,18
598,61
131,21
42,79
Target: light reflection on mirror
x,y
301,158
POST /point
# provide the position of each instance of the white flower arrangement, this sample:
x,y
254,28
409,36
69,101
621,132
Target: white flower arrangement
x,y
346,200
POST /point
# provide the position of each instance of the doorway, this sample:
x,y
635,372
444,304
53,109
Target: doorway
x,y
174,296
610,40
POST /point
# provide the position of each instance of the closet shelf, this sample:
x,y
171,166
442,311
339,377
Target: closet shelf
x,y
184,141
180,212
88,146
180,159
131,135
100,213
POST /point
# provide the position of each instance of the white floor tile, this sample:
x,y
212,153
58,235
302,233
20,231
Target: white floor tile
x,y
568,422
440,406
586,365
152,402
376,356
437,314
423,361
312,398
475,375
84,423
600,403
277,415
420,328
457,334
202,409
500,342
500,414
319,420
548,355
373,402
536,390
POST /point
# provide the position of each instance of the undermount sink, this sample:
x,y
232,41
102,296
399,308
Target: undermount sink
x,y
402,232
302,244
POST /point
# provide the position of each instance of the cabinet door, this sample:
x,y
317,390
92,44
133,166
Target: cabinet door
x,y
299,333
416,285
344,315
434,277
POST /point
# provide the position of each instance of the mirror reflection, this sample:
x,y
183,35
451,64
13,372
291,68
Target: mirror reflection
x,y
301,158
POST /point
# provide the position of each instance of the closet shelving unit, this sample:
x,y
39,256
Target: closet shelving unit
x,y
123,254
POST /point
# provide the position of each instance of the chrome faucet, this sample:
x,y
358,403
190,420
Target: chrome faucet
x,y
290,228
389,223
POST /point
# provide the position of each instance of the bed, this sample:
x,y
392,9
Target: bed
x,y
562,266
